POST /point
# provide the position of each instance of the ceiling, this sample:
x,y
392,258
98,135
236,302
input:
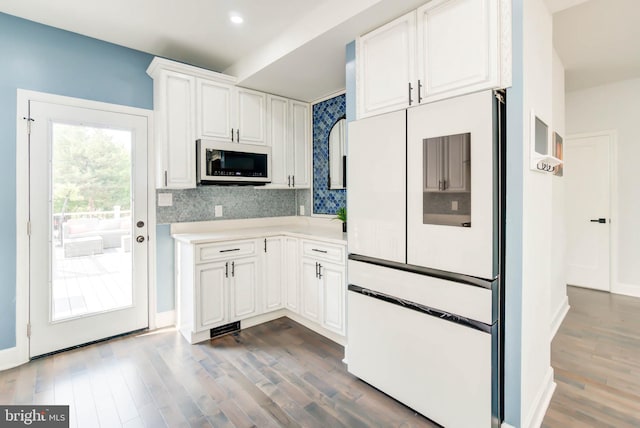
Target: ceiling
x,y
295,48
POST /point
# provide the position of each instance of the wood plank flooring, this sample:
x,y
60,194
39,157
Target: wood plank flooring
x,y
278,374
596,359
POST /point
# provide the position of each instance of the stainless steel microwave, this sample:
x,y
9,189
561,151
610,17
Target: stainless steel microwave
x,y
232,163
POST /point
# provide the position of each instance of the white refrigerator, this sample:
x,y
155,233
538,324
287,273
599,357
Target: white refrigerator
x,y
425,248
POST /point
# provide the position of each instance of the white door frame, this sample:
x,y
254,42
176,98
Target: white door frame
x,y
20,353
614,286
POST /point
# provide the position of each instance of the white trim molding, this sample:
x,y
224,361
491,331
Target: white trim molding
x,y
625,289
18,355
559,316
164,319
541,403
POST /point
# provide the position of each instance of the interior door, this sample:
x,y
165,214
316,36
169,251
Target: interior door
x,y
447,230
88,214
587,204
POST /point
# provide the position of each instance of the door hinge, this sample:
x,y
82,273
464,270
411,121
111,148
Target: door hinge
x,y
28,228
29,330
29,121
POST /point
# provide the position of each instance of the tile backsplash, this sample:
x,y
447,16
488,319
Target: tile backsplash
x,y
236,201
325,114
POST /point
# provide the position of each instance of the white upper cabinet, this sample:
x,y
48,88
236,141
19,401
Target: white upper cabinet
x,y
214,109
443,49
289,138
386,67
457,47
231,114
174,98
300,125
251,116
447,164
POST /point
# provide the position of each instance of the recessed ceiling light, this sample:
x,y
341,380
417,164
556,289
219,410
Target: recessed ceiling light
x,y
236,19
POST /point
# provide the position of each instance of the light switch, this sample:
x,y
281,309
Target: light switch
x,y
454,205
165,199
218,211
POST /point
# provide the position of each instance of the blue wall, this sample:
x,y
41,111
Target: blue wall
x,y
325,114
350,59
45,59
513,234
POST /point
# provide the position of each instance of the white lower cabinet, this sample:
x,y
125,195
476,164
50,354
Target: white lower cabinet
x,y
273,288
323,285
223,282
291,273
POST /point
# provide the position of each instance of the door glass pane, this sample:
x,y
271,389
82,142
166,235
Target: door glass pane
x,y
91,220
447,180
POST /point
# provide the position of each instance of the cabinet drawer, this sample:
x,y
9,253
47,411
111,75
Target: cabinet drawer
x,y
329,252
224,250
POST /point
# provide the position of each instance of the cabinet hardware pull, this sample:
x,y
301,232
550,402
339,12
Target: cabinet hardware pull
x,y
419,91
410,89
228,251
233,269
319,271
226,270
293,181
288,180
598,220
238,135
319,251
166,180
316,269
232,135
265,245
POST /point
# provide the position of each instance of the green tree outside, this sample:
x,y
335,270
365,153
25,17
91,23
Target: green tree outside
x,y
91,171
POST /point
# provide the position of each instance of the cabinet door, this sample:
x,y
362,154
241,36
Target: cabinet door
x,y
214,109
457,47
301,177
458,164
176,140
251,120
333,297
386,67
434,163
273,274
211,303
291,274
281,143
310,290
244,287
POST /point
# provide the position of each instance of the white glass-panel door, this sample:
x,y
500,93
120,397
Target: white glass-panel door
x,y
88,213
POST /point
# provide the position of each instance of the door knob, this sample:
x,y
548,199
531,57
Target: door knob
x,y
140,238
140,223
598,220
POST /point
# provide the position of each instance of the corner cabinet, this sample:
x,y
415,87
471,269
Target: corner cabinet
x,y
443,49
257,280
289,137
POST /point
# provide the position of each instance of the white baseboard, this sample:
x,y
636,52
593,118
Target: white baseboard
x,y
541,403
558,317
10,358
166,319
626,289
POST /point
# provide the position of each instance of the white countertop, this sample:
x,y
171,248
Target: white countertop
x,y
227,230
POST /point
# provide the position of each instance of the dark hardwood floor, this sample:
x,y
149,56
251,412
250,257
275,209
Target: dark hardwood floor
x,y
596,359
275,374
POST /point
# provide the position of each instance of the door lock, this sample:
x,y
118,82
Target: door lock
x,y
140,223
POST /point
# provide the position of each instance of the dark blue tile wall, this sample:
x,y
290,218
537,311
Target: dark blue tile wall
x,y
325,114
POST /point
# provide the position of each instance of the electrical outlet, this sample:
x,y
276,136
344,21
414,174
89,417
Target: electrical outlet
x,y
454,205
301,209
165,199
218,210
